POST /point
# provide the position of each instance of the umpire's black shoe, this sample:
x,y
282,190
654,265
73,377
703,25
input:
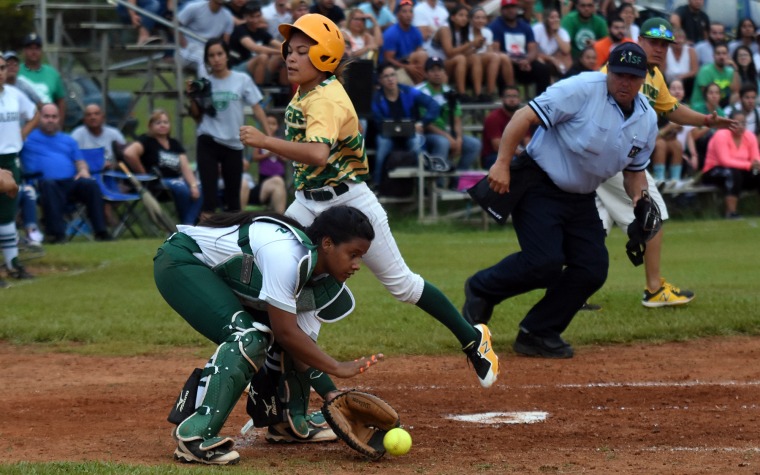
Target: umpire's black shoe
x,y
475,309
544,347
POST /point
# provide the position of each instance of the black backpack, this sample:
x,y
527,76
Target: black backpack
x,y
397,187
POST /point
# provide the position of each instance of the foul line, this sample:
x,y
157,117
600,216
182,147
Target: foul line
x,y
633,384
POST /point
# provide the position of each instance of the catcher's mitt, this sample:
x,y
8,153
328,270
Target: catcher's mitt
x,y
647,223
361,420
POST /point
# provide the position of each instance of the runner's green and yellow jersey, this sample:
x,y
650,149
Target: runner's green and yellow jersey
x,y
326,115
656,90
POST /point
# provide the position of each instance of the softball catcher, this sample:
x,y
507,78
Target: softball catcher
x,y
207,273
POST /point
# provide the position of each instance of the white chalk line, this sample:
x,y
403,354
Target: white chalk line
x,y
701,449
601,385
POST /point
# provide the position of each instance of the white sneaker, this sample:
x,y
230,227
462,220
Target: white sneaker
x,y
35,237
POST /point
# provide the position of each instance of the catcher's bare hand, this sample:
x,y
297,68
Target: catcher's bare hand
x,y
251,136
348,369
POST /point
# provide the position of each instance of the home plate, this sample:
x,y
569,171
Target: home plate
x,y
501,417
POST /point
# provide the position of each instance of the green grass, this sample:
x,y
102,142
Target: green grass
x,y
97,468
101,299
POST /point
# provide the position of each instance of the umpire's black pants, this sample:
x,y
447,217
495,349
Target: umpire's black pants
x,y
562,250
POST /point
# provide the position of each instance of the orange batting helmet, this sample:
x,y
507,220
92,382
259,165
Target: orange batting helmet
x,y
327,53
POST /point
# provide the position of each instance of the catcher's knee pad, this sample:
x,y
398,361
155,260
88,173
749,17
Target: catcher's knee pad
x,y
223,379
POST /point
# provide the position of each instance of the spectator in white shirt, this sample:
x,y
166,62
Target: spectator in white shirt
x,y
94,133
276,13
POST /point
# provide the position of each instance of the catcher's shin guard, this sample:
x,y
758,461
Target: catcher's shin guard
x,y
226,375
294,392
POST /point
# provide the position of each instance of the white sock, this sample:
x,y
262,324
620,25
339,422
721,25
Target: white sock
x,y
9,243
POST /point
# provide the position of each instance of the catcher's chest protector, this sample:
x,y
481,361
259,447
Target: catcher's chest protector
x,y
244,277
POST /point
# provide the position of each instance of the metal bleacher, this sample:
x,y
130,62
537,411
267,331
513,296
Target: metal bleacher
x,y
85,37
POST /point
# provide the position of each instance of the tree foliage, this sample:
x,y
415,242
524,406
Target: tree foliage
x,y
15,22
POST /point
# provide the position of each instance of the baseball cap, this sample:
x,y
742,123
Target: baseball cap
x,y
251,6
505,3
10,54
32,39
628,58
402,3
432,62
658,29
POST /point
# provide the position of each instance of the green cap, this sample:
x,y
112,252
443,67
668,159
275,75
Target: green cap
x,y
658,29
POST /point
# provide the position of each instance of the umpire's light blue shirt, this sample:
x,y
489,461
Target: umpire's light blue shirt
x,y
585,137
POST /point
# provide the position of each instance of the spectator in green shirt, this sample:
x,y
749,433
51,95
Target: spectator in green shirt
x,y
43,78
585,26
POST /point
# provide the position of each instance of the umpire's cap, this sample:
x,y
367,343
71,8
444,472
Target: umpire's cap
x,y
628,58
658,29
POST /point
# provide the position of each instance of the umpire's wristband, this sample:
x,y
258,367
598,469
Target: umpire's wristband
x,y
320,381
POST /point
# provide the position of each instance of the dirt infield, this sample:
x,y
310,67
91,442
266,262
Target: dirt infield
x,y
678,408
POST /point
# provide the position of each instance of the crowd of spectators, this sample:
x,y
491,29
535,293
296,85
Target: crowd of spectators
x,y
429,57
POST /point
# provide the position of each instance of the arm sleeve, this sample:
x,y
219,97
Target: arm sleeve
x,y
278,265
664,103
561,101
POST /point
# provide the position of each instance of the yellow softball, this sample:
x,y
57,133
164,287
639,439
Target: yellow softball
x,y
397,441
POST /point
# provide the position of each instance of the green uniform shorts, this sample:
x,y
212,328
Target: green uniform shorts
x,y
193,290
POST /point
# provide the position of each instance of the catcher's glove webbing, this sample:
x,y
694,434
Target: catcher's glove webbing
x,y
646,225
361,420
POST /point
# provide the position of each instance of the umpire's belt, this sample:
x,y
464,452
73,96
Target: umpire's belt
x,y
325,194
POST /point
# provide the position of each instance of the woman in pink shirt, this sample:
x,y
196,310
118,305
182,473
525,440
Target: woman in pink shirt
x,y
733,163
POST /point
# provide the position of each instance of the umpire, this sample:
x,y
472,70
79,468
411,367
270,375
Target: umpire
x,y
592,127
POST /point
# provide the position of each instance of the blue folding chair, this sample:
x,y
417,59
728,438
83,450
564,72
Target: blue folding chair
x,y
123,204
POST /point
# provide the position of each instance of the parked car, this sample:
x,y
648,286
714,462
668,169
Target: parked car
x,y
83,90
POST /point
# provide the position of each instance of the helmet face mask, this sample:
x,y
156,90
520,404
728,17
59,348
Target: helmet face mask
x,y
329,45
